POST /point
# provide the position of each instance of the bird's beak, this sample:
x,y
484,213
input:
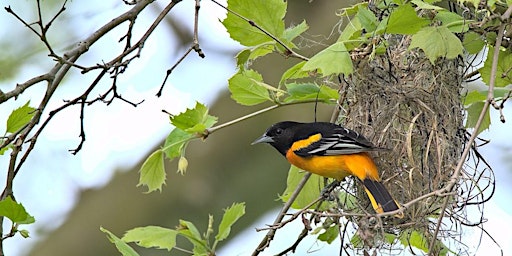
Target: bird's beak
x,y
263,139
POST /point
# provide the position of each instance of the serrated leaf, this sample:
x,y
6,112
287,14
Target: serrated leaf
x,y
367,19
293,32
246,89
404,20
414,238
194,120
503,73
335,59
231,215
242,58
175,141
188,229
15,211
473,42
294,72
19,118
474,111
353,9
310,91
427,5
152,236
437,42
474,96
267,14
309,192
261,50
356,241
121,246
191,233
330,234
152,172
454,22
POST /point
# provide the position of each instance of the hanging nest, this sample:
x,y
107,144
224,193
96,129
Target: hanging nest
x,y
402,102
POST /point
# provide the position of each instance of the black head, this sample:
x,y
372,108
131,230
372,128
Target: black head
x,y
279,135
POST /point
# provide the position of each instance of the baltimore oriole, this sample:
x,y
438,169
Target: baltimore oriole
x,y
332,151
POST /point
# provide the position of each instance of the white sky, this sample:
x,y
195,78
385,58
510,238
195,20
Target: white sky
x,y
104,151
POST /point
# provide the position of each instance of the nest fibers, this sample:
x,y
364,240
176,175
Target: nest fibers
x,y
401,101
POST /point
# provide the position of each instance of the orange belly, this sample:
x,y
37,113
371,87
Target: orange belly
x,y
338,167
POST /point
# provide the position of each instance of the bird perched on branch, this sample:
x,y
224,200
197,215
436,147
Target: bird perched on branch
x,y
331,151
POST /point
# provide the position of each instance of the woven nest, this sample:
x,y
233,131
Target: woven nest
x,y
401,101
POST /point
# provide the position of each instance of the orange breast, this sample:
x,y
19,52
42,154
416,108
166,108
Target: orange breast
x,y
338,167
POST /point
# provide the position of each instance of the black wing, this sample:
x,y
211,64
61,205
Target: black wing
x,y
337,141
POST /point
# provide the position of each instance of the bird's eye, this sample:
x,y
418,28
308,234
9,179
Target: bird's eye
x,y
279,131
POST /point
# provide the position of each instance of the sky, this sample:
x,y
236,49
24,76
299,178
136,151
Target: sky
x,y
104,151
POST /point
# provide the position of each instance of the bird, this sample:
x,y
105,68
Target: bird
x,y
333,151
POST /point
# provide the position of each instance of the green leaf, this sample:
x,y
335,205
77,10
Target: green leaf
x,y
194,120
414,238
191,233
474,96
266,14
121,246
308,194
242,58
2,150
175,142
330,234
427,5
294,72
152,172
503,74
246,88
473,42
404,20
454,22
335,59
188,229
19,118
356,241
293,32
367,19
15,211
474,111
231,215
152,236
310,91
437,42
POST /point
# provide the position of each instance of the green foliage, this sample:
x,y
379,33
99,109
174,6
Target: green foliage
x,y
152,172
191,124
267,14
503,74
405,14
474,111
19,118
165,238
231,215
335,59
330,234
121,246
194,120
15,212
418,240
309,192
152,236
247,88
437,42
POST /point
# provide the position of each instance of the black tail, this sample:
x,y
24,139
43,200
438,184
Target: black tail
x,y
379,196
